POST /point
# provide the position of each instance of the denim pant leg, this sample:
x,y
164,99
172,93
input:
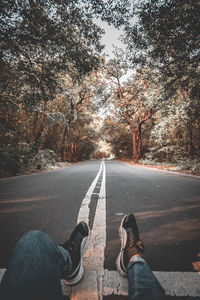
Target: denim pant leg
x,y
142,283
34,271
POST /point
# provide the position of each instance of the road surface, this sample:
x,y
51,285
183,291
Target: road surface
x,y
166,206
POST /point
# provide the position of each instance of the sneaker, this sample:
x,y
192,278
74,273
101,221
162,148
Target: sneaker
x,y
130,243
76,246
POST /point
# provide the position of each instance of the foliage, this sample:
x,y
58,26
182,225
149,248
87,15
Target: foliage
x,y
134,102
39,40
167,34
175,134
163,36
53,81
42,42
118,136
100,155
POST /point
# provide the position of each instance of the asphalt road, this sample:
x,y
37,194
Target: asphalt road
x,y
166,206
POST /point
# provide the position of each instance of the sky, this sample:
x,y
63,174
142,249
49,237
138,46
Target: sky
x,y
111,36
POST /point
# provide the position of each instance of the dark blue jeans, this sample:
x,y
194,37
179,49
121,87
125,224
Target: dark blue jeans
x,y
142,284
35,269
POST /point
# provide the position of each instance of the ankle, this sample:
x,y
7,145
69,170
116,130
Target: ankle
x,y
132,252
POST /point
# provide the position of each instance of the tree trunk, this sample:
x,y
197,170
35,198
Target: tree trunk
x,y
63,148
75,149
134,141
34,126
137,143
191,143
139,139
38,133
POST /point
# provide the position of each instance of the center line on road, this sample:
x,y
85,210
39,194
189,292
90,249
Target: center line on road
x,y
84,209
99,235
91,286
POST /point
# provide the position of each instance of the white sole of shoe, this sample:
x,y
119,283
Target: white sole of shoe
x,y
123,239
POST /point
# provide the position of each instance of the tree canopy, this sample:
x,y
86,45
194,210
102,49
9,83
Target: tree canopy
x,y
55,83
40,40
167,35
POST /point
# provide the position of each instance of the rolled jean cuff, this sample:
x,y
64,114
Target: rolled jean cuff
x,y
135,259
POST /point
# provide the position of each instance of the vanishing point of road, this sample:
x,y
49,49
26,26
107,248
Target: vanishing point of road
x,y
166,206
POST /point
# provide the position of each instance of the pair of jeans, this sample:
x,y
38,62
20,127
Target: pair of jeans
x,y
35,269
37,265
142,284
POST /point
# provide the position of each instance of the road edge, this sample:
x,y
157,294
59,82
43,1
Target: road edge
x,y
159,170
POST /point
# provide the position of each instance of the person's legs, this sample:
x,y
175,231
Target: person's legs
x,y
142,283
38,264
34,271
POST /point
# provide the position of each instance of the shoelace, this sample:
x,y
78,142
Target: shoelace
x,y
140,246
131,240
133,243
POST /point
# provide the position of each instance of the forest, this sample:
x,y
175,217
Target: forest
x,y
63,100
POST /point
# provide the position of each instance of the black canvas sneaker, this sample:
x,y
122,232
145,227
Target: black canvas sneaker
x,y
130,243
76,246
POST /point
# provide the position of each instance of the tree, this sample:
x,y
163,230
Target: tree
x,y
167,34
175,135
135,101
56,125
39,40
42,41
118,136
